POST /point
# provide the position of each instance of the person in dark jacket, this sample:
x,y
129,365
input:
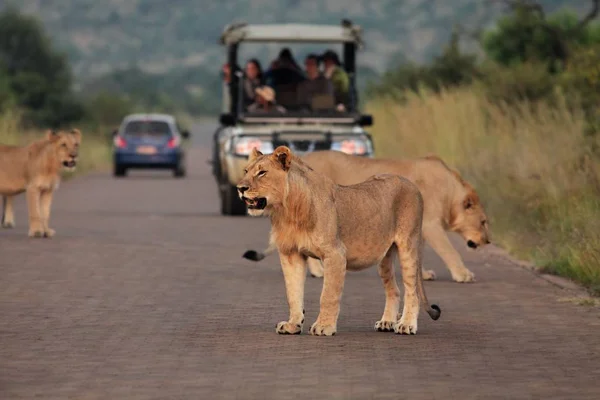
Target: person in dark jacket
x,y
284,70
315,84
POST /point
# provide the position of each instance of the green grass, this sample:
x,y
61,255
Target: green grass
x,y
534,168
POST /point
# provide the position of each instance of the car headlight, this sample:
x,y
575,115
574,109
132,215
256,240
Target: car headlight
x,y
352,146
244,145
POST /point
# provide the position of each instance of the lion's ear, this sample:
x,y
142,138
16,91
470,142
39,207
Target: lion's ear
x,y
77,133
51,134
470,200
254,154
283,155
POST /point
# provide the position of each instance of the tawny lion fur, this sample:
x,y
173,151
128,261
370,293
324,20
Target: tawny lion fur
x,y
451,204
35,169
346,228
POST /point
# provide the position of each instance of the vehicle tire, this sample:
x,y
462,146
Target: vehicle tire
x,y
179,171
230,202
119,171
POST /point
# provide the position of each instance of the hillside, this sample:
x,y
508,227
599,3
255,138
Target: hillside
x,y
178,38
159,35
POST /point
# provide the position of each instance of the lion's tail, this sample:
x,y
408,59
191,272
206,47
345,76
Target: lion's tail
x,y
433,310
257,255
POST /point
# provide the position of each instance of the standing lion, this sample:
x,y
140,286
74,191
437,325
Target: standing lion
x,y
35,169
451,204
346,228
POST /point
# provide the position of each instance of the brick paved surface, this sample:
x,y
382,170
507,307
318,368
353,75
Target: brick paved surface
x,y
143,294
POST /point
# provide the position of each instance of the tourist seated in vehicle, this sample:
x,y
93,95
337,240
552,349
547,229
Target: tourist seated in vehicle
x,y
339,78
316,92
226,76
284,77
253,78
265,101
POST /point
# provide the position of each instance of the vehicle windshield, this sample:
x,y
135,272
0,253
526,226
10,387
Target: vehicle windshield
x,y
313,82
147,128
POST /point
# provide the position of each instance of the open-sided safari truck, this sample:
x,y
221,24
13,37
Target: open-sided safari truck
x,y
323,125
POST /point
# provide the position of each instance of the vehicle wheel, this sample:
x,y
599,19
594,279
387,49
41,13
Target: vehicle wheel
x,y
230,202
179,172
119,170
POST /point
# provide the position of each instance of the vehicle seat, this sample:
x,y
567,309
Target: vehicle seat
x,y
322,102
285,95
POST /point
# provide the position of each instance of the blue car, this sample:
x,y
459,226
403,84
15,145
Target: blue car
x,y
149,141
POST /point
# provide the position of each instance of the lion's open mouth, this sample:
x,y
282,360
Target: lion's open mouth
x,y
257,203
69,164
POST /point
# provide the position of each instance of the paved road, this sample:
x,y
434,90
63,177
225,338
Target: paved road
x,y
144,295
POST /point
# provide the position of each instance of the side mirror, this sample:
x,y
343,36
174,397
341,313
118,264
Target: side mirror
x,y
185,134
365,120
227,120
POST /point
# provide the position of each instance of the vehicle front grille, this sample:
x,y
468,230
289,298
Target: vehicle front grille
x,y
303,146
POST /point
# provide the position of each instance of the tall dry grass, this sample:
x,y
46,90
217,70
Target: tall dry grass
x,y
94,153
534,168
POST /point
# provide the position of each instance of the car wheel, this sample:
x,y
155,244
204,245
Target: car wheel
x,y
119,170
179,172
231,204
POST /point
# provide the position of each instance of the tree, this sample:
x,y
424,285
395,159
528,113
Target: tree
x,y
529,35
38,75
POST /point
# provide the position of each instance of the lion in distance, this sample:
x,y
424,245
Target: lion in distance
x,y
346,228
35,169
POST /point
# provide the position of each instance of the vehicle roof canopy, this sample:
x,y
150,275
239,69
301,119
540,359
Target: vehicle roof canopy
x,y
346,32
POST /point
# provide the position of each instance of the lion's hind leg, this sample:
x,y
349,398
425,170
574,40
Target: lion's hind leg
x,y
392,293
315,267
410,253
8,215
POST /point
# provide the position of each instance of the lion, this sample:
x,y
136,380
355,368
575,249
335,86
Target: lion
x,y
346,228
35,169
451,204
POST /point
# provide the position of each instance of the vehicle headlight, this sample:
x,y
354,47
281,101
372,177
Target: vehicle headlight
x,y
352,146
244,145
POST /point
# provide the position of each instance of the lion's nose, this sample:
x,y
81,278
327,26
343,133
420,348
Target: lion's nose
x,y
73,155
242,188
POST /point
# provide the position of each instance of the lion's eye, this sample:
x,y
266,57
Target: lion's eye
x,y
483,222
261,173
64,145
245,171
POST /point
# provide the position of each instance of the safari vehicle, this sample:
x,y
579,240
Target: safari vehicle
x,y
301,130
149,141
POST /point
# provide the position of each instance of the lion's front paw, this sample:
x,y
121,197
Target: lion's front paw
x,y
428,275
288,328
319,329
463,276
385,326
49,233
36,233
8,224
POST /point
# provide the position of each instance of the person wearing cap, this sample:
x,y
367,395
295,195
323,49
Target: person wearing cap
x,y
264,101
337,75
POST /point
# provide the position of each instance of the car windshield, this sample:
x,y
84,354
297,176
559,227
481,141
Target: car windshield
x,y
147,128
